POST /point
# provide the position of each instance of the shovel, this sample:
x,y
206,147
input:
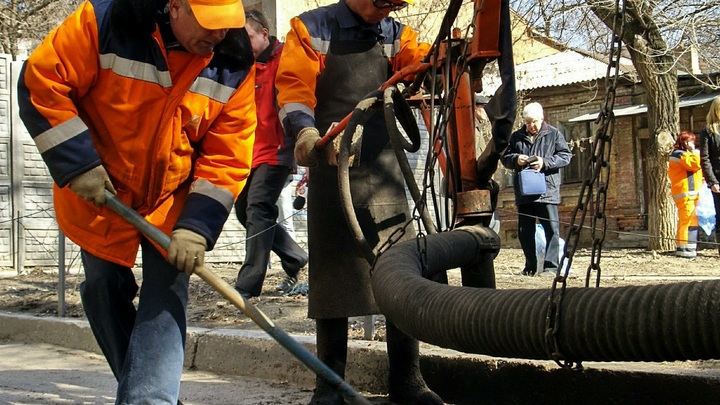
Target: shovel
x,y
227,291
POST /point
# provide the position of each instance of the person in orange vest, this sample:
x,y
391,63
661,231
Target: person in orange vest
x,y
273,160
153,102
333,57
686,179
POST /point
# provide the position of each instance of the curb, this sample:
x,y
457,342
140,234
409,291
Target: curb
x,y
457,377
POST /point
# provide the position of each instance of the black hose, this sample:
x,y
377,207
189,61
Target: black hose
x,y
394,101
359,115
666,322
396,109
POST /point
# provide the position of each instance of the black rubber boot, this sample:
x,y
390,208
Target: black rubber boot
x,y
405,382
331,350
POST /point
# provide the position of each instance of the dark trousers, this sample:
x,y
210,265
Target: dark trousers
x,y
547,215
144,347
716,201
257,212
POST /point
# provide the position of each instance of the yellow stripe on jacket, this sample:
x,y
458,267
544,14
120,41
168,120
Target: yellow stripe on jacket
x,y
685,174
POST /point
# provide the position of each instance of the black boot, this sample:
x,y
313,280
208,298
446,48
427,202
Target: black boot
x,y
331,350
405,382
717,240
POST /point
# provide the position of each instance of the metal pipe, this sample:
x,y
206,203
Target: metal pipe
x,y
227,291
61,274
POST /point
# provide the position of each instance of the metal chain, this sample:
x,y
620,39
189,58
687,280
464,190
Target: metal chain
x,y
392,239
437,144
397,235
421,242
438,138
597,173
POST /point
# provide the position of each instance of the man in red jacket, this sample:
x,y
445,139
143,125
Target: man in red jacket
x,y
272,162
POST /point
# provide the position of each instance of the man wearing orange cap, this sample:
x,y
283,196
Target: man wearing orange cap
x,y
333,57
155,103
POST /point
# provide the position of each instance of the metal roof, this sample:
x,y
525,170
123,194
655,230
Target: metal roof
x,y
559,69
626,110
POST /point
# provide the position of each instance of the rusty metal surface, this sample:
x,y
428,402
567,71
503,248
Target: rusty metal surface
x,y
474,203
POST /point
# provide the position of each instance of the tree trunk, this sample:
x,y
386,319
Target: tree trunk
x,y
656,68
663,130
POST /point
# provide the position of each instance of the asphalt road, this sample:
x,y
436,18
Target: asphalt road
x,y
44,374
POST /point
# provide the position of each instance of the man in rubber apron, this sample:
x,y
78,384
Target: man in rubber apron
x,y
333,57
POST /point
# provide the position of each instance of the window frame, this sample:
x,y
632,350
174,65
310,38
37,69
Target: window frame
x,y
579,137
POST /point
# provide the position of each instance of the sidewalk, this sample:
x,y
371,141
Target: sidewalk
x,y
41,374
458,378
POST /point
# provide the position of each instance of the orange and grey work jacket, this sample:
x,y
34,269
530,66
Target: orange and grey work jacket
x,y
685,175
307,44
174,130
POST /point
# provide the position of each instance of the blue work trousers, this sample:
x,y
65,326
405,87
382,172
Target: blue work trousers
x,y
144,347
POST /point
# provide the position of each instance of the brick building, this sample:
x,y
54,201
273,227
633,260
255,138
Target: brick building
x,y
571,87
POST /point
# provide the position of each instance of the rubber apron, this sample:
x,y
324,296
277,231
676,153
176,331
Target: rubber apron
x,y
339,275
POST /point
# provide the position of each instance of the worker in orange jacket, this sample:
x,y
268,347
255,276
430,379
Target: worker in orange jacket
x,y
155,103
333,57
686,179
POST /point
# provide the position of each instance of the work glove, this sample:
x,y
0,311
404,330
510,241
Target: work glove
x,y
186,250
91,185
305,152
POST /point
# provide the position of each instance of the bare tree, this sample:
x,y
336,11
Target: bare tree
x,y
657,68
23,24
661,37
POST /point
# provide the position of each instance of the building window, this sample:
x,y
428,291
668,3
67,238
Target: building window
x,y
579,136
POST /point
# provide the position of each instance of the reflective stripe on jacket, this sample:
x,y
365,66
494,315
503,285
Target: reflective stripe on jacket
x,y
685,175
163,124
308,42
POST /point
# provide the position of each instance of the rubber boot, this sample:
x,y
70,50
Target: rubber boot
x,y
332,350
717,240
405,382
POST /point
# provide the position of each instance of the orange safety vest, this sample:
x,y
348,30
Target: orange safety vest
x,y
173,130
303,59
685,175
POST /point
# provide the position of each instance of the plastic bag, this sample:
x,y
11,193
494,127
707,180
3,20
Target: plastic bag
x,y
705,210
540,249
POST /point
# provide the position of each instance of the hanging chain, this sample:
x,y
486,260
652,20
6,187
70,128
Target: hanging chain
x,y
439,127
397,235
437,144
597,173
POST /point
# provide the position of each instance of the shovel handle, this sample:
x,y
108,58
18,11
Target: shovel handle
x,y
234,297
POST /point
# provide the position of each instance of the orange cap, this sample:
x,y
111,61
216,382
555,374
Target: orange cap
x,y
218,14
